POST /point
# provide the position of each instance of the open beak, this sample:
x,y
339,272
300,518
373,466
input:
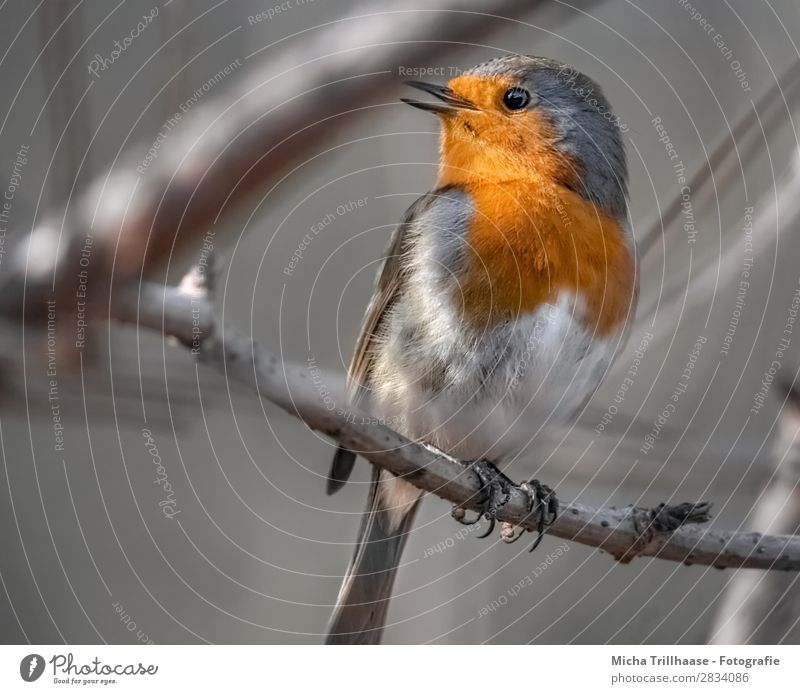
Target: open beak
x,y
449,101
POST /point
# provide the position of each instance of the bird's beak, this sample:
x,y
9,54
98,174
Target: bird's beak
x,y
450,101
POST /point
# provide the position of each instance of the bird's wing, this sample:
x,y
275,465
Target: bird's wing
x,y
391,278
389,282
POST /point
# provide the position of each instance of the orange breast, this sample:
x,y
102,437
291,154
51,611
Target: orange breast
x,y
531,240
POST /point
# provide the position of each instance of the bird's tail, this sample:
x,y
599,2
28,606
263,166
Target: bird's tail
x,y
341,467
360,612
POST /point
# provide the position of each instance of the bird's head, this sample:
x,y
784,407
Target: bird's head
x,y
523,117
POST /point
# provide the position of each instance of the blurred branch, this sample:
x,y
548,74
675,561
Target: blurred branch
x,y
726,159
232,145
186,314
778,211
758,608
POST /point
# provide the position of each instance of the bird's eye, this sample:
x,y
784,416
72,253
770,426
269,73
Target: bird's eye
x,y
516,98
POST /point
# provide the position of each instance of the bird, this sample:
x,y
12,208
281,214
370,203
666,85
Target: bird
x,y
504,296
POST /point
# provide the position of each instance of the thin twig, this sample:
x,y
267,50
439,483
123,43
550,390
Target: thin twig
x,y
623,532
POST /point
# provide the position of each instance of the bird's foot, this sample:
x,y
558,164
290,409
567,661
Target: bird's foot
x,y
544,501
496,491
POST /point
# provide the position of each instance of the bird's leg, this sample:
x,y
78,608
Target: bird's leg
x,y
496,491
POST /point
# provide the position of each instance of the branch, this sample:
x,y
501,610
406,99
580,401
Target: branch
x,y
186,314
242,142
722,168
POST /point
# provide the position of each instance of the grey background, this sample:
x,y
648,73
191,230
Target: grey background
x,y
257,550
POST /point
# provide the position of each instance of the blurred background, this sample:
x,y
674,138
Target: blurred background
x,y
145,499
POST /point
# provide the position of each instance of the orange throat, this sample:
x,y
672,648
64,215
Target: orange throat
x,y
531,240
531,236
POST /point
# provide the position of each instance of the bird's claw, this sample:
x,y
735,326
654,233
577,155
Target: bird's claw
x,y
496,488
496,491
543,496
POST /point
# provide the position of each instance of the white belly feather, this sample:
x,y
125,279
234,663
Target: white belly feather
x,y
486,395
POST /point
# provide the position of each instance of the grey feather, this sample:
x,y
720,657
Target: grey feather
x,y
389,282
341,469
360,613
363,601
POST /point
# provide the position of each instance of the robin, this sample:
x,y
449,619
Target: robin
x,y
504,297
